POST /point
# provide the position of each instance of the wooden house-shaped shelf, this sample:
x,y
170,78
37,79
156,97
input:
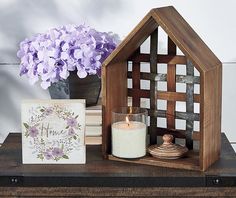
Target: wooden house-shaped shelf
x,y
196,56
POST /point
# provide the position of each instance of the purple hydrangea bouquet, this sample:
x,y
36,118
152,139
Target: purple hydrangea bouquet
x,y
50,57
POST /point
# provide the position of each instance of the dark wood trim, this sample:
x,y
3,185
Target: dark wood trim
x,y
170,59
153,85
176,96
19,179
171,86
136,80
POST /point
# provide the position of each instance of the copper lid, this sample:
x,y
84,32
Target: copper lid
x,y
167,150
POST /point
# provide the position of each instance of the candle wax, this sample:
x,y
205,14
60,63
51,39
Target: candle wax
x,y
129,140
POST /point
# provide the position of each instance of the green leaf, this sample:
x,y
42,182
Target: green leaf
x,y
26,125
40,156
74,137
65,157
42,110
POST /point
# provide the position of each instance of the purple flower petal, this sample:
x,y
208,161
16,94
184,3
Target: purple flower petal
x,y
78,54
51,62
53,54
82,73
48,111
71,132
20,54
72,122
45,84
40,55
64,73
33,131
48,155
64,55
65,47
57,152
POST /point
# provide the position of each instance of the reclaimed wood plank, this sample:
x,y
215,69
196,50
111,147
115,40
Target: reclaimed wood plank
x,y
176,96
189,163
210,118
185,38
117,97
171,86
136,80
139,93
116,192
97,171
199,54
133,41
162,58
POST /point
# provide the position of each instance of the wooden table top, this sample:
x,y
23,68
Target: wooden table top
x,y
98,172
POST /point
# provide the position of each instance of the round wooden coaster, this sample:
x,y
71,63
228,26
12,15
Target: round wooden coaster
x,y
167,150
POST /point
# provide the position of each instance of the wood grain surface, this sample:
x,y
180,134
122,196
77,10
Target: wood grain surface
x,y
180,34
113,83
111,178
117,192
183,35
171,86
136,79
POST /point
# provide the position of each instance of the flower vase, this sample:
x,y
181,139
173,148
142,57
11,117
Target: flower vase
x,y
73,87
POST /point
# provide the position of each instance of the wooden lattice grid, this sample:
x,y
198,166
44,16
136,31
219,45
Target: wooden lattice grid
x,y
196,55
171,96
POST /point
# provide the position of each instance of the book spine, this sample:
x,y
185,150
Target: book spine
x,y
93,130
93,140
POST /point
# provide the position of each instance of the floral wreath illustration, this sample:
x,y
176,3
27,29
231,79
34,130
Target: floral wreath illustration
x,y
48,151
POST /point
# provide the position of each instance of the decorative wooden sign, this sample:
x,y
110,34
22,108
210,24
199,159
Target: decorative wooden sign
x,y
53,131
196,55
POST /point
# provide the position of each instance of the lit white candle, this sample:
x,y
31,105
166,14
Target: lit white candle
x,y
129,139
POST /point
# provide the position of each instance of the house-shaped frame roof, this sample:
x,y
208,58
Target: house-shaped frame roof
x,y
177,29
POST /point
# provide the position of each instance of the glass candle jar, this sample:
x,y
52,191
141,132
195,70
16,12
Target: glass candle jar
x,y
129,131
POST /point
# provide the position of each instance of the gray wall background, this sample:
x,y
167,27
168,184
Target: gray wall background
x,y
213,20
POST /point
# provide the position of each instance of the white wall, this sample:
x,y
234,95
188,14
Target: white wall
x,y
213,20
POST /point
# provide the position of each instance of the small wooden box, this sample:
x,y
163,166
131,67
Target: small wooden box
x,y
196,56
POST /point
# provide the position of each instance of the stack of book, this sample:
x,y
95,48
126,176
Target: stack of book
x,y
93,129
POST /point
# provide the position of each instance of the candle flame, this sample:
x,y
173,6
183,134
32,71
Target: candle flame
x,y
127,120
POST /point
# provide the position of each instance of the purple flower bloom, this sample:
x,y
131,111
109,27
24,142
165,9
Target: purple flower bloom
x,y
72,122
57,152
71,132
48,111
49,57
33,131
48,155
